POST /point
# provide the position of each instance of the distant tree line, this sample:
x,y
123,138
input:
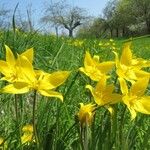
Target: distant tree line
x,y
121,18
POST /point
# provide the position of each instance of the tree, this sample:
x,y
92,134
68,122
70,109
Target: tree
x,y
141,9
3,17
63,15
109,12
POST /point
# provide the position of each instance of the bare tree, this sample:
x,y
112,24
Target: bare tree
x,y
63,15
3,17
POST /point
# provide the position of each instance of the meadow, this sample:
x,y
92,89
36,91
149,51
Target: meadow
x,y
49,123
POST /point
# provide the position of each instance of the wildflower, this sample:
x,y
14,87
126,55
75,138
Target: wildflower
x,y
111,40
10,67
86,113
94,69
134,98
40,81
104,94
100,44
78,43
1,140
27,136
129,68
3,144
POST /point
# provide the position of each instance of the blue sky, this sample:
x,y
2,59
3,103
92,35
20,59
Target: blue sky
x,y
94,7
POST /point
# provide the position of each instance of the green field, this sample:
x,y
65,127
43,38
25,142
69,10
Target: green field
x,y
57,124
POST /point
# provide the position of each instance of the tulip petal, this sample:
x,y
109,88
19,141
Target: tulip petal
x,y
16,88
27,69
126,57
139,87
88,61
10,59
143,105
28,54
105,67
57,78
51,93
4,68
101,85
123,86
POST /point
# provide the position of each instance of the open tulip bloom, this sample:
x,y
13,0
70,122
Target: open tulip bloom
x,y
129,68
30,79
94,69
10,67
134,97
104,94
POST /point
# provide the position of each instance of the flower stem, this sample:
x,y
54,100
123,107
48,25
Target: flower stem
x,y
33,121
16,108
17,118
84,137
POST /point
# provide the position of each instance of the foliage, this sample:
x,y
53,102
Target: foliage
x,y
66,125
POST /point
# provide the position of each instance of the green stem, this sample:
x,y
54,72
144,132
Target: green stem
x,y
33,121
121,127
16,108
17,118
86,136
82,137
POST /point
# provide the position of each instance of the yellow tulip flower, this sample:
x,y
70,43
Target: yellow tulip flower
x,y
129,68
94,69
104,94
10,67
40,81
27,136
86,113
134,98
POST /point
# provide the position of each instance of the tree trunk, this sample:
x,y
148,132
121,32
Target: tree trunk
x,y
123,31
56,30
148,25
111,33
70,33
117,32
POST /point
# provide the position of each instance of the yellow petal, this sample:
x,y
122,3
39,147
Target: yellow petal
x,y
10,59
126,57
16,88
90,88
104,67
123,86
116,60
139,87
109,89
82,69
4,68
101,85
88,61
58,78
142,74
27,137
27,69
28,54
130,75
110,109
142,105
133,113
111,99
51,93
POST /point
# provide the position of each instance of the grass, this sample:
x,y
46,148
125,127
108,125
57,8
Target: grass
x,y
57,125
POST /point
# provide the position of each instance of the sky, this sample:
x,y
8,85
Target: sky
x,y
93,7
